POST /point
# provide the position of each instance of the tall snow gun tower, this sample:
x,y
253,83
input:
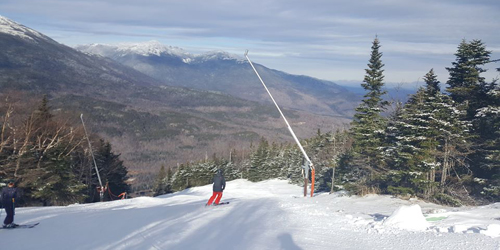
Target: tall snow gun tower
x,y
101,188
308,164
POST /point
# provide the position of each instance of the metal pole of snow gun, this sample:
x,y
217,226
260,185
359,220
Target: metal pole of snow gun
x,y
101,188
308,164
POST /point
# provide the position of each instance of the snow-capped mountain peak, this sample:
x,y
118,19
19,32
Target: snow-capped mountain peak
x,y
151,48
12,28
155,48
218,55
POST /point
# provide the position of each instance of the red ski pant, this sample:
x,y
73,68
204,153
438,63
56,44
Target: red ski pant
x,y
217,196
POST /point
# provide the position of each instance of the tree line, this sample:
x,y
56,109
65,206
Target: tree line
x,y
442,145
48,156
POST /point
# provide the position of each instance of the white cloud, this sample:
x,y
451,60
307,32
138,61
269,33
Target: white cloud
x,y
324,34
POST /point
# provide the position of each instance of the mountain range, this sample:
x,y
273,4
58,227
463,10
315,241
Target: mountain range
x,y
159,105
225,73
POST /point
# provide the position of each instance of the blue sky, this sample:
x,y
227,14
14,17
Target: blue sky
x,y
325,39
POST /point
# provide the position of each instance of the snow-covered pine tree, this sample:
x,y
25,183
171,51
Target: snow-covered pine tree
x,y
368,126
427,138
293,160
326,150
231,172
180,179
410,154
259,162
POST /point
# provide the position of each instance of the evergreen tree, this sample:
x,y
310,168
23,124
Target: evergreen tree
x,y
112,170
466,85
180,178
293,161
160,183
168,187
259,162
427,137
480,100
231,171
54,182
368,125
489,154
43,111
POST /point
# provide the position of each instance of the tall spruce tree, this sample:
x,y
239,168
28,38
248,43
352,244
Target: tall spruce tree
x,y
259,161
479,99
43,111
112,170
368,125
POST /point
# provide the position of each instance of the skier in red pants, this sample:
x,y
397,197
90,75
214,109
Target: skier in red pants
x,y
218,188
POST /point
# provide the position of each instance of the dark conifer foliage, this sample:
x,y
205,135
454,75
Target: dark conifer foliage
x,y
113,172
368,126
466,85
479,98
162,183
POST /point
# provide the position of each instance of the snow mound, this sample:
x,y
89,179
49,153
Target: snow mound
x,y
408,218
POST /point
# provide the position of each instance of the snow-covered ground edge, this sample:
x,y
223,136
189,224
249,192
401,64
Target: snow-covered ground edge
x,y
263,215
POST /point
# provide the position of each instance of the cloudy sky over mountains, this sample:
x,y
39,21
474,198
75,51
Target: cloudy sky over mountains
x,y
320,38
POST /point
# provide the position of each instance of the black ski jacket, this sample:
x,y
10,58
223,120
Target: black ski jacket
x,y
219,182
7,194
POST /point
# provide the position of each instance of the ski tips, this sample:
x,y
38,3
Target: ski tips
x,y
246,53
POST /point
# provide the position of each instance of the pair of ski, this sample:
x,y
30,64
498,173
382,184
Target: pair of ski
x,y
22,226
220,203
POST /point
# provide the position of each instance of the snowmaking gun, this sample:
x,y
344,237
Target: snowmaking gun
x,y
308,164
101,188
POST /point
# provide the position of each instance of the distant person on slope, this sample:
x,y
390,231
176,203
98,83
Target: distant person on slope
x,y
218,188
9,194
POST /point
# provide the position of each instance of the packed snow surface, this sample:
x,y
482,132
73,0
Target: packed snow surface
x,y
264,215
